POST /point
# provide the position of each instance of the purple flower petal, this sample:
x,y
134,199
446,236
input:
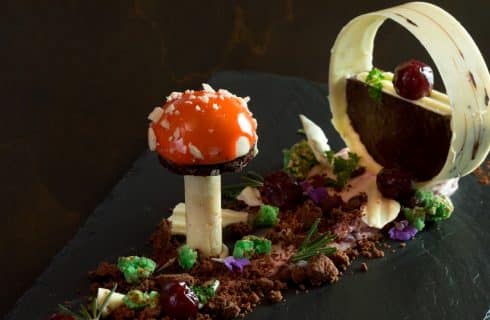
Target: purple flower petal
x,y
306,185
317,194
232,262
402,231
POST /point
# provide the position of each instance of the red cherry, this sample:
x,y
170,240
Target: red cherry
x,y
58,316
413,80
178,300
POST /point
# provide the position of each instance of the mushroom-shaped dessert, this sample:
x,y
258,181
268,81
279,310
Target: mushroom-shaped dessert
x,y
201,134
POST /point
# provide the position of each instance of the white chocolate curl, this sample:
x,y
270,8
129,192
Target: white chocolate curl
x,y
460,63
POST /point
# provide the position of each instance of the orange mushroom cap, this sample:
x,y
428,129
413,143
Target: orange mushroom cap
x,y
202,127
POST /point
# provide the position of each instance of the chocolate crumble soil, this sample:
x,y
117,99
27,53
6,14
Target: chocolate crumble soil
x,y
268,277
482,173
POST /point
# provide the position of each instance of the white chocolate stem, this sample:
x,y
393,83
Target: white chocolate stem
x,y
203,214
227,217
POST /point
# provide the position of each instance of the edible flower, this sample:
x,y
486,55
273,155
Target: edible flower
x,y
231,262
136,268
187,257
402,231
136,299
251,245
299,159
205,293
267,216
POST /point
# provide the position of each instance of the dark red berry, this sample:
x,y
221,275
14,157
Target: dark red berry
x,y
281,190
413,80
394,184
58,316
178,300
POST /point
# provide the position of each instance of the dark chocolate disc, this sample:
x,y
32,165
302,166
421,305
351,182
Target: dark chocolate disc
x,y
398,133
236,165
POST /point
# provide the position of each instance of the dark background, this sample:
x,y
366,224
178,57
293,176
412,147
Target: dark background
x,y
78,78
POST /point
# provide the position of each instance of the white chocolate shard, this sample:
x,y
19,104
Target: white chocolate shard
x,y
227,217
379,211
115,300
251,196
317,140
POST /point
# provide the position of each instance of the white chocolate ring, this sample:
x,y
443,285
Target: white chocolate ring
x,y
459,61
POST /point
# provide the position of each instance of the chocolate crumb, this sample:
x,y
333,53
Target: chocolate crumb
x,y
364,267
321,269
275,296
341,260
403,245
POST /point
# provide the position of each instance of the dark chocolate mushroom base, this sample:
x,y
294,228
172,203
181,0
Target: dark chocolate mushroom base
x,y
209,169
397,133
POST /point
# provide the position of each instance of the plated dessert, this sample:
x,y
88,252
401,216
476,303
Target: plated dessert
x,y
227,249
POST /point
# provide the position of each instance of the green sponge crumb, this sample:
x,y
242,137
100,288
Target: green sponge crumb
x,y
187,257
136,299
299,159
251,245
205,293
430,207
267,216
136,268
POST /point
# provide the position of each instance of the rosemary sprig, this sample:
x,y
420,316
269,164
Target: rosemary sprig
x,y
314,244
249,179
84,314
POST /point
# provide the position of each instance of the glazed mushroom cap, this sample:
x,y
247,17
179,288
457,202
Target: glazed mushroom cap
x,y
203,132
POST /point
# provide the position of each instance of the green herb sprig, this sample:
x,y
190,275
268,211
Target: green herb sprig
x,y
343,168
95,312
375,89
250,179
314,244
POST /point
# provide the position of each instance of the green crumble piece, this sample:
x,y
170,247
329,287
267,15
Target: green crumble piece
x,y
243,249
251,245
205,293
267,216
136,268
430,207
299,159
437,207
415,216
187,257
136,299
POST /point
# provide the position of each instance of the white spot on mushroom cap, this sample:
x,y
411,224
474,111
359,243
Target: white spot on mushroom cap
x,y
170,108
152,139
207,87
195,151
204,98
214,151
177,133
165,124
242,146
215,106
188,102
180,146
155,114
245,124
174,95
198,108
